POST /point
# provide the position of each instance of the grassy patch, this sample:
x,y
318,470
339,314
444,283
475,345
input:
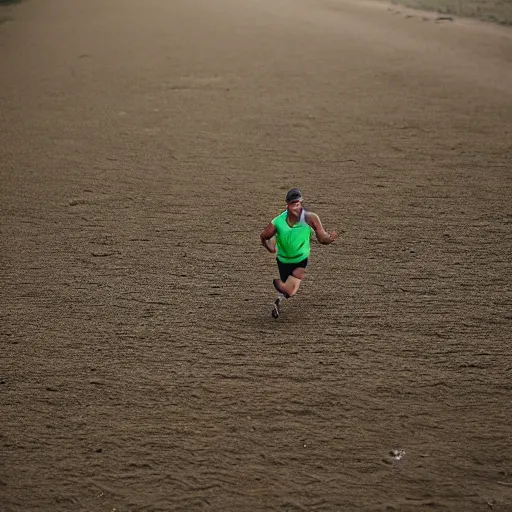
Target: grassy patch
x,y
498,11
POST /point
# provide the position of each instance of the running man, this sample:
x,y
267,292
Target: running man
x,y
292,230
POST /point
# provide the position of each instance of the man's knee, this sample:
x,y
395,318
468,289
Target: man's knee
x,y
299,273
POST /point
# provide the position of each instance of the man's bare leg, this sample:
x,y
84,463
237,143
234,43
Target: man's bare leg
x,y
292,284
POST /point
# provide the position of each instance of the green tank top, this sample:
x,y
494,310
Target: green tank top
x,y
292,243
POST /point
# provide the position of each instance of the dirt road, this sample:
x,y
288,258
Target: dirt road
x,y
144,146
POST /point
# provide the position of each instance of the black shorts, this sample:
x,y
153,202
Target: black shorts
x,y
286,269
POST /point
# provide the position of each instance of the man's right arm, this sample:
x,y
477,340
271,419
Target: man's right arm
x,y
266,235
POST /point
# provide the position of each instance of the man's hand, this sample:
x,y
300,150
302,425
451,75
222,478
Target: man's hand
x,y
325,238
269,245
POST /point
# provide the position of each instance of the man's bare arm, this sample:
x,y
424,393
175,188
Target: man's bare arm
x,y
266,235
321,234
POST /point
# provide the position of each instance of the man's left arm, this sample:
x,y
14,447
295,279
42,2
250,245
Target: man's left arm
x,y
321,234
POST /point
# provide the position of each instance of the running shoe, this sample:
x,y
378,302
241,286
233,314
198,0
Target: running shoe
x,y
276,309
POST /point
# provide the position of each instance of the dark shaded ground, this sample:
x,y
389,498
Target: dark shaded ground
x,y
4,3
143,150
496,11
9,2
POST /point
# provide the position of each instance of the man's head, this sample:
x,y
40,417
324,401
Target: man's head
x,y
294,201
293,195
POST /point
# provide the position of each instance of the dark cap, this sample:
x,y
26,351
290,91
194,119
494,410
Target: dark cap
x,y
293,195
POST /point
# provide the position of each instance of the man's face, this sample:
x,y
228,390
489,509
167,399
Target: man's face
x,y
295,207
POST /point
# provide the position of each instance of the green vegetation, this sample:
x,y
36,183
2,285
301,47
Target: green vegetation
x,y
497,11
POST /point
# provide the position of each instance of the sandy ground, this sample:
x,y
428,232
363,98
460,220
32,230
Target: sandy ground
x,y
144,146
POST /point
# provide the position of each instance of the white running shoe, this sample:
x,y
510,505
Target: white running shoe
x,y
276,309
